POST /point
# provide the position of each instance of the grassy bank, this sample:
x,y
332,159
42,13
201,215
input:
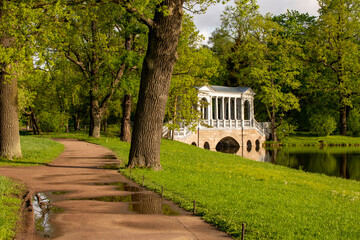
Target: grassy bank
x,y
306,139
36,151
275,202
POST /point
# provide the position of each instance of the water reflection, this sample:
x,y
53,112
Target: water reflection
x,y
142,203
333,161
258,153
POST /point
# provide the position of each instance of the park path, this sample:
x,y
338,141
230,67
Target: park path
x,y
74,198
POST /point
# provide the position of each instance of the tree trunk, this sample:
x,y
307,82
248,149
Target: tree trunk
x,y
273,128
9,118
35,121
343,126
95,119
156,74
125,134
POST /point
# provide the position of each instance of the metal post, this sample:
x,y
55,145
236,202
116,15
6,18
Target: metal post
x,y
143,180
194,209
243,232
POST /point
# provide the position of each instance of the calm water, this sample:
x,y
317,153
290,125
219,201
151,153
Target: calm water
x,y
333,161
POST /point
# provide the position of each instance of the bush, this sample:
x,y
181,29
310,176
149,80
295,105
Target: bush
x,y
354,121
285,129
53,121
322,124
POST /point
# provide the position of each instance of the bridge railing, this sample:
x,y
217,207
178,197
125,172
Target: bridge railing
x,y
184,131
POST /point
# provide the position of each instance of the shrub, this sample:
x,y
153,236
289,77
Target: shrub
x,y
354,121
322,124
285,129
53,121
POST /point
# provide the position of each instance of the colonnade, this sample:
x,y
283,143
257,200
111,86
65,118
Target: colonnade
x,y
226,108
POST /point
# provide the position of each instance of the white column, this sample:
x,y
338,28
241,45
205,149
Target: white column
x,y
242,112
209,110
223,108
235,113
217,111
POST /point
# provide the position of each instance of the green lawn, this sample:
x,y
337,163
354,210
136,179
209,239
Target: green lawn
x,y
275,202
10,202
305,139
36,151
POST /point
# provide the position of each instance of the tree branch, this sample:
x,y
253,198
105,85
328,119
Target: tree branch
x,y
142,18
78,62
117,76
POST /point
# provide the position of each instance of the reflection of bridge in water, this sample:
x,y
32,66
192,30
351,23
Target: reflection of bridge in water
x,y
227,122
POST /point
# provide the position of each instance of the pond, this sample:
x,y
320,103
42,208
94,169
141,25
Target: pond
x,y
333,161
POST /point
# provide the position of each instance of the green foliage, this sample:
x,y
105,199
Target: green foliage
x,y
285,130
53,121
354,121
322,124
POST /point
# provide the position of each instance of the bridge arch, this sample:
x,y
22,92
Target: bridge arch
x,y
257,144
227,145
248,146
207,146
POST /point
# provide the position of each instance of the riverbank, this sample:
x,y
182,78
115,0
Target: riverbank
x,y
36,151
306,139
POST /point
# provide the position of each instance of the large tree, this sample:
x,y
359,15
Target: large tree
x,y
164,26
13,31
335,53
98,41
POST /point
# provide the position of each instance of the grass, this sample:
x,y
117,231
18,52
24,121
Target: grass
x,y
36,151
275,202
10,202
307,139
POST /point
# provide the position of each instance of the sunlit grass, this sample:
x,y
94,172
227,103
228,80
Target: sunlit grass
x,y
10,202
36,151
304,140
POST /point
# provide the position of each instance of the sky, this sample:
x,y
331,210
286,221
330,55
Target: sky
x,y
206,23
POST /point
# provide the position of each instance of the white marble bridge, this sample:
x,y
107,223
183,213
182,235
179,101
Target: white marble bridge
x,y
227,120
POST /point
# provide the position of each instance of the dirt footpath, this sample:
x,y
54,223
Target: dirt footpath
x,y
74,198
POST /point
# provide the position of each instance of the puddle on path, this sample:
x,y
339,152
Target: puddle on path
x,y
112,166
42,211
59,193
121,186
142,203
